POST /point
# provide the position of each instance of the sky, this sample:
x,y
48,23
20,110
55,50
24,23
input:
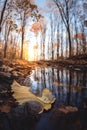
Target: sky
x,y
40,3
46,8
33,40
31,37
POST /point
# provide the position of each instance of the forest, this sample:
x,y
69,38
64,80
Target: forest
x,y
43,64
31,33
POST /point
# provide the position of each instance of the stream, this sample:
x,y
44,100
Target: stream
x,y
69,87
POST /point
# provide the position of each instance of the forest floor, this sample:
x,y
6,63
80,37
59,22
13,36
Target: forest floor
x,y
75,62
22,119
78,63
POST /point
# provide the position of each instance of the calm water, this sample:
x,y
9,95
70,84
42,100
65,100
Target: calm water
x,y
69,87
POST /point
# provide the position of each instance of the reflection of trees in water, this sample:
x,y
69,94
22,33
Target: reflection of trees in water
x,y
67,86
84,79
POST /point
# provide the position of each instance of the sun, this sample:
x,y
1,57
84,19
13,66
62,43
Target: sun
x,y
32,49
31,53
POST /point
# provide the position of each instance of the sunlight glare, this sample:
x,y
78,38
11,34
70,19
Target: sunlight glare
x,y
32,50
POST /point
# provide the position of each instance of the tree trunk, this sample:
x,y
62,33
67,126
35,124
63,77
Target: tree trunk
x,y
23,27
58,42
2,13
69,38
52,38
43,41
61,39
22,43
6,40
76,37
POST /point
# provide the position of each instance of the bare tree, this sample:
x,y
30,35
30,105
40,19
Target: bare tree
x,y
43,41
2,13
25,9
9,26
64,9
58,41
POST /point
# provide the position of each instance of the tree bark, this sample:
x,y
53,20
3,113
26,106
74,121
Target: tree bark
x,y
22,42
2,13
6,40
69,36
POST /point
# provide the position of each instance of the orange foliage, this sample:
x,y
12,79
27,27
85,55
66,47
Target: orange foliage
x,y
36,27
79,35
56,45
35,46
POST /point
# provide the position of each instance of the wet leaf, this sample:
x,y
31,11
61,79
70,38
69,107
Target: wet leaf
x,y
5,108
67,109
23,94
7,68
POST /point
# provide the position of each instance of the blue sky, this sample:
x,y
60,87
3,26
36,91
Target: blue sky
x,y
40,3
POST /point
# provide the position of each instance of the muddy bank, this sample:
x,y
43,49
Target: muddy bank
x,y
56,119
10,71
73,63
12,115
79,65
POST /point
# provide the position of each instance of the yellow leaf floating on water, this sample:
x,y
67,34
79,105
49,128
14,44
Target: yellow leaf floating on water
x,y
47,96
23,94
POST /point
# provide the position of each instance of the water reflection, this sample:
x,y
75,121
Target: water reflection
x,y
69,87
